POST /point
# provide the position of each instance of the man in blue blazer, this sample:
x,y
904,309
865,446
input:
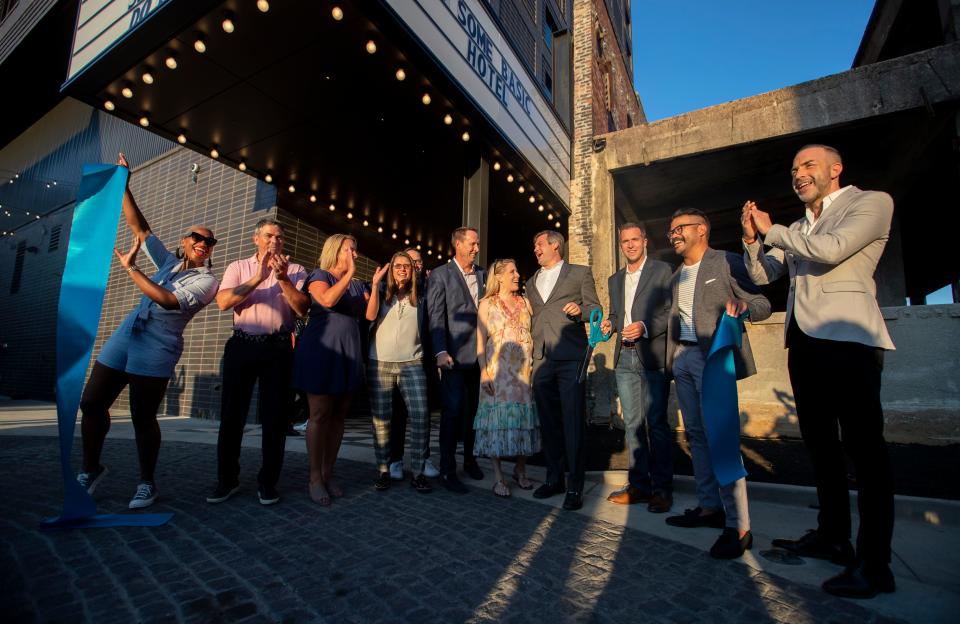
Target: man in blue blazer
x,y
453,295
639,309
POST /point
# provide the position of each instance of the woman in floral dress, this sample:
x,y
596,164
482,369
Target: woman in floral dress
x,y
506,421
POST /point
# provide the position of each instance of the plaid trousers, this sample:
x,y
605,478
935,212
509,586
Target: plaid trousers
x,y
409,376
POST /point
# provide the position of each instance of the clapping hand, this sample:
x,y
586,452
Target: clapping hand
x,y
746,222
279,264
129,259
265,265
379,273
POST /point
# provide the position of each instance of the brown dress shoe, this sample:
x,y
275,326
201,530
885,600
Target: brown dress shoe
x,y
629,495
660,503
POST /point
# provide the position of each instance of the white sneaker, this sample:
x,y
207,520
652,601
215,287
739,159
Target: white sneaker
x,y
90,480
396,471
145,496
429,470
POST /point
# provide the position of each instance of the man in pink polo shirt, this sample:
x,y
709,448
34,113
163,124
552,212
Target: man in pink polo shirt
x,y
264,293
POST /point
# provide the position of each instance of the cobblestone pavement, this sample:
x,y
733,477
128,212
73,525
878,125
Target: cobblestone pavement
x,y
372,557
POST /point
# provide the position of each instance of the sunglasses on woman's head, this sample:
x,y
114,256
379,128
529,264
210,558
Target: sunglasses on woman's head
x,y
209,240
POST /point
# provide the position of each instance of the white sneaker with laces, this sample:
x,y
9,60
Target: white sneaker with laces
x,y
396,471
146,495
429,470
90,480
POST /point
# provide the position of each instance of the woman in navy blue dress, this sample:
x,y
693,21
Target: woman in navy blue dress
x,y
328,363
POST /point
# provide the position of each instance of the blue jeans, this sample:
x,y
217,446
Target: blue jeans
x,y
643,401
688,366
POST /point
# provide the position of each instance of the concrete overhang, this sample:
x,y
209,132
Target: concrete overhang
x,y
894,122
294,94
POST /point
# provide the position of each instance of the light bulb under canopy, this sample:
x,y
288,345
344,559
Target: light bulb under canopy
x,y
126,92
291,189
147,78
337,13
181,139
242,166
426,99
170,62
199,45
108,105
465,136
263,5
509,177
313,199
332,207
214,153
144,122
496,166
401,75
447,119
371,47
227,25
268,178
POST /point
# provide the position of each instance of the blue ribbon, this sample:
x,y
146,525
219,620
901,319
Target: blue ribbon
x,y
89,255
721,407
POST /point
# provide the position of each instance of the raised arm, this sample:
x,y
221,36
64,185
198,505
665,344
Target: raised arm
x,y
135,219
762,268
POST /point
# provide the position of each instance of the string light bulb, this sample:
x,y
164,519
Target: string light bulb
x,y
242,166
379,230
313,199
465,136
181,139
426,99
496,166
263,5
509,177
366,223
144,122
406,241
147,78
214,153
532,199
540,208
371,47
199,45
394,236
549,216
227,25
349,215
337,13
332,207
447,119
108,105
292,189
520,189
170,62
126,92
268,178
401,75
556,223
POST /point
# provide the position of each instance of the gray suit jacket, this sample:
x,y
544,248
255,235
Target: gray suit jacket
x,y
557,336
452,314
651,304
832,292
721,277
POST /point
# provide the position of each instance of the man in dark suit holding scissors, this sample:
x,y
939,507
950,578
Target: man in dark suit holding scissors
x,y
562,296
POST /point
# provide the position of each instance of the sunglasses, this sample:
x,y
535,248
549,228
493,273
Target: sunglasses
x,y
209,240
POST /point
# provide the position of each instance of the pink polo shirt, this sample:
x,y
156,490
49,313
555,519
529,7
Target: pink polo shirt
x,y
264,311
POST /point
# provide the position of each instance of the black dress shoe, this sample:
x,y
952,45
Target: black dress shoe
x,y
692,519
861,580
660,503
812,545
573,500
473,471
452,483
549,489
730,545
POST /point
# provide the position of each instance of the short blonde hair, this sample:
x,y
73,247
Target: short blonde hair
x,y
496,270
331,249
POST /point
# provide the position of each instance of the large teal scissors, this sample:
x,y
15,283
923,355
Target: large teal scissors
x,y
595,337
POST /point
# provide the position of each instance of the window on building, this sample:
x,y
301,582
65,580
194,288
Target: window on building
x,y
54,238
18,267
549,27
547,82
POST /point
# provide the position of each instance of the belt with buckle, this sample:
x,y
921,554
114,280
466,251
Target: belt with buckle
x,y
689,343
628,343
279,336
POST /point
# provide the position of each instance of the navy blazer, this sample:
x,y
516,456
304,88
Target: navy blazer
x,y
452,314
651,304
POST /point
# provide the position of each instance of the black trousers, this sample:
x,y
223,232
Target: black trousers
x,y
102,389
837,390
270,365
561,408
461,395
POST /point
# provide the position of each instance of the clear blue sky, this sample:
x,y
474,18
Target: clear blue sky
x,y
688,54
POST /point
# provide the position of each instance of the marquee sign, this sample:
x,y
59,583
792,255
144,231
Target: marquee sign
x,y
470,47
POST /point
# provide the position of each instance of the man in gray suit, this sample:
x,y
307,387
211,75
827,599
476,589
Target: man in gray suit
x,y
639,310
836,338
708,284
453,295
562,296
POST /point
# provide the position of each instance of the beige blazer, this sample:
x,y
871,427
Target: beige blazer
x,y
832,291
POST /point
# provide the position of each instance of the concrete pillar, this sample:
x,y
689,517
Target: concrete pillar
x,y
476,202
602,388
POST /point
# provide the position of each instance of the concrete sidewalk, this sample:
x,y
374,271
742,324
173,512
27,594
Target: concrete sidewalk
x,y
926,539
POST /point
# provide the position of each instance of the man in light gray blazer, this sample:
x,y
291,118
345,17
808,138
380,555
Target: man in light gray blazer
x,y
562,296
836,338
708,284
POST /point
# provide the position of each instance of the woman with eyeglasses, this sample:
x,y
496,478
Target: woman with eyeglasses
x,y
144,350
328,358
396,351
